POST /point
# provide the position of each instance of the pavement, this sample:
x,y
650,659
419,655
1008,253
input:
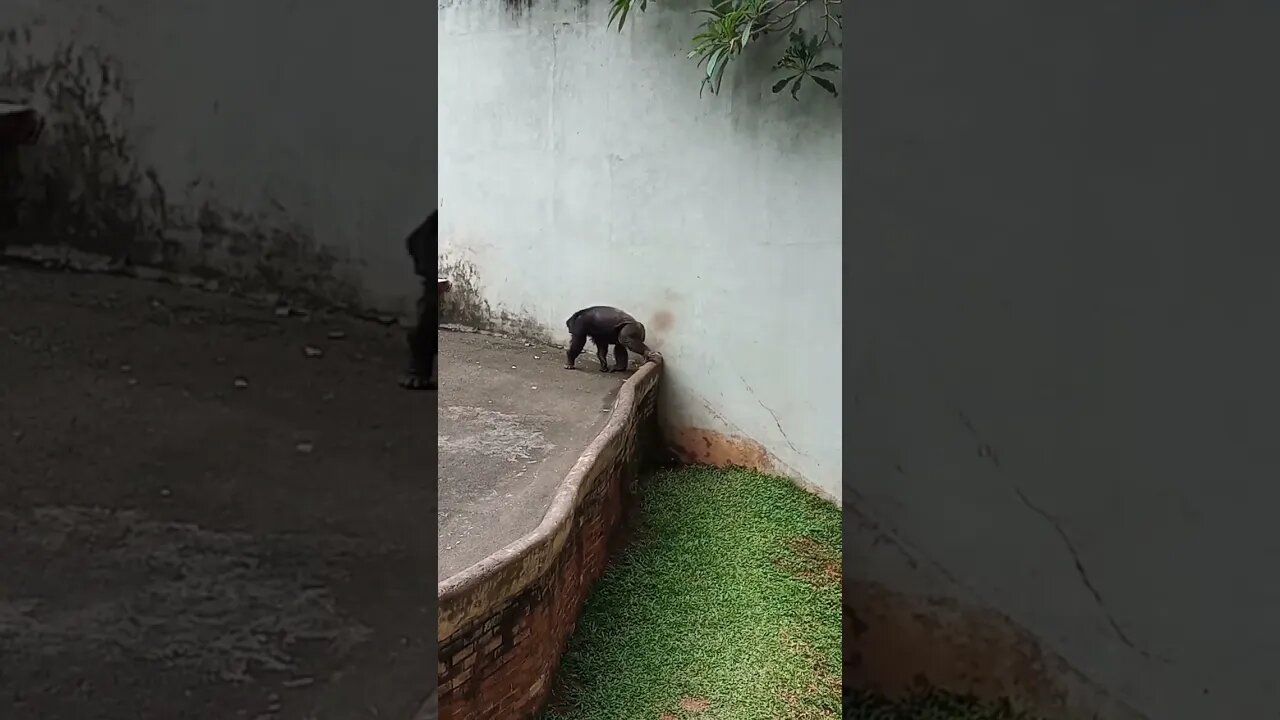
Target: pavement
x,y
209,509
513,422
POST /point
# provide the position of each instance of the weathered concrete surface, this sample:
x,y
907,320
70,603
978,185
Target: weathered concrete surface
x,y
513,422
1064,377
174,547
504,621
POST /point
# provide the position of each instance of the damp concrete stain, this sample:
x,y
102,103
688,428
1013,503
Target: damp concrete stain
x,y
465,305
81,199
80,184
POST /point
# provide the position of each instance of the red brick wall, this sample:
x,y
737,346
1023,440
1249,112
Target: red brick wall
x,y
501,664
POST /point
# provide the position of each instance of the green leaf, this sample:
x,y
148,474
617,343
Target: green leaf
x,y
724,65
619,12
825,84
795,87
777,87
825,67
746,32
711,64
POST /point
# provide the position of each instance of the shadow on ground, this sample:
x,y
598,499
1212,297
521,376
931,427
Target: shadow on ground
x,y
208,510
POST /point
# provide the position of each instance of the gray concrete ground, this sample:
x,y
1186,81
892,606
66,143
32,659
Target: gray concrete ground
x,y
512,423
175,546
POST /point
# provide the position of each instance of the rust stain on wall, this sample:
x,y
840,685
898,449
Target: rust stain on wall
x,y
663,320
896,644
708,447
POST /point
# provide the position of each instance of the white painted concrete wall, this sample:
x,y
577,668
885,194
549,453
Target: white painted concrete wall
x,y
320,113
1067,254
578,166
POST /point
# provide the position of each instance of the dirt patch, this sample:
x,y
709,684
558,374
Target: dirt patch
x,y
931,704
694,705
899,645
812,562
824,681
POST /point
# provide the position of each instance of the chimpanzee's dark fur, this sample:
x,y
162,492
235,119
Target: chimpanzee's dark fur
x,y
606,326
422,339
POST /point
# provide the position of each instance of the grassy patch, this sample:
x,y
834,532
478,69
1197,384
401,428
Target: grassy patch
x,y
727,608
929,705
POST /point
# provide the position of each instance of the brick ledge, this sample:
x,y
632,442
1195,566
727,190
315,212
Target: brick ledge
x,y
474,592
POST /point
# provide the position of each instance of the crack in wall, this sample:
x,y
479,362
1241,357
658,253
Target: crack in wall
x,y
1082,572
774,415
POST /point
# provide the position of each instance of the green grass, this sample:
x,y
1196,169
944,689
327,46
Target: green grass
x,y
726,606
927,705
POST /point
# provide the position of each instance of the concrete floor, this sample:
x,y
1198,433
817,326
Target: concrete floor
x,y
513,422
175,546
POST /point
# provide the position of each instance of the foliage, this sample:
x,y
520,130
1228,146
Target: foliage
x,y
724,605
729,26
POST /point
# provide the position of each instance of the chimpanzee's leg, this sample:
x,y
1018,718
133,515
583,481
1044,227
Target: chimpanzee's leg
x,y
602,352
422,348
620,359
575,349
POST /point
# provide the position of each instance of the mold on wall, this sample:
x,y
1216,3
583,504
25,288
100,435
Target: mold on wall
x,y
81,186
168,152
466,304
81,198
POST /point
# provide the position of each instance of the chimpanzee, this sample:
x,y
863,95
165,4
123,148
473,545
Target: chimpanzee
x,y
422,339
606,326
